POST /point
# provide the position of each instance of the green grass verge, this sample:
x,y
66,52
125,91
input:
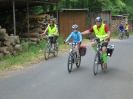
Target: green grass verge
x,y
29,54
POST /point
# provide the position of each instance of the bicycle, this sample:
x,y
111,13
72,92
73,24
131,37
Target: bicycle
x,y
72,58
121,35
98,60
126,33
49,48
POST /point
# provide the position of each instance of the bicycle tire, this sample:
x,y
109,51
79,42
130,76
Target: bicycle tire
x,y
101,62
47,51
95,64
70,63
78,62
56,51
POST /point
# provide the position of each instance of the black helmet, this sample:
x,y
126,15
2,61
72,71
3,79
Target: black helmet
x,y
98,19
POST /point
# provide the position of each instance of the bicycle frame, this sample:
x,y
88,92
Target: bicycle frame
x,y
72,51
49,48
98,57
72,58
99,50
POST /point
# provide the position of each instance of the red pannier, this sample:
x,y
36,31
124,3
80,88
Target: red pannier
x,y
82,50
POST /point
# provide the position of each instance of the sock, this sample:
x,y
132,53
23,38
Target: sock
x,y
94,47
105,58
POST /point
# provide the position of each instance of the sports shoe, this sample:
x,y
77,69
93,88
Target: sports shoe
x,y
105,65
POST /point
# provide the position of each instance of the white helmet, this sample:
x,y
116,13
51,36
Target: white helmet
x,y
75,26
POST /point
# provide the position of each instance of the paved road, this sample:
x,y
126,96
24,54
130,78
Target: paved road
x,y
51,80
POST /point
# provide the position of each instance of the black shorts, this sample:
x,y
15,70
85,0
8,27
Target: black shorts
x,y
104,44
53,40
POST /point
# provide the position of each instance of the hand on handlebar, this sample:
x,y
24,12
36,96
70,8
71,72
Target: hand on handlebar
x,y
107,39
78,43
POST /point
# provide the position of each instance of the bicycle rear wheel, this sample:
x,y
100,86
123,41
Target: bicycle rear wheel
x,y
95,64
78,62
47,51
70,63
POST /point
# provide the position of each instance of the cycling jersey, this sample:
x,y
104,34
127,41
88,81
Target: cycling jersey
x,y
77,37
121,28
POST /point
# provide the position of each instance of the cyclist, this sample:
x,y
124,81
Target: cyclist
x,y
127,27
53,34
121,28
77,38
102,32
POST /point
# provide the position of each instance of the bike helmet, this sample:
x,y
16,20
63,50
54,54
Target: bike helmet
x,y
98,19
75,26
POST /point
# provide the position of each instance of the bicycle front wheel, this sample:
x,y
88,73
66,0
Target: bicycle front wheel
x,y
120,36
95,64
78,61
56,51
47,51
70,63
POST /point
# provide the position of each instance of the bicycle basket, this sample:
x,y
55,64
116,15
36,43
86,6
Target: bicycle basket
x,y
110,49
82,50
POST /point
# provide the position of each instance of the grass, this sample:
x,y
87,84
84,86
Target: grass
x,y
30,54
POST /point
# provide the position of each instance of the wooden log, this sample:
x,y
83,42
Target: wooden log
x,y
7,43
36,35
16,38
7,55
1,55
1,43
4,37
3,50
14,53
23,39
2,31
35,39
34,43
10,49
23,35
18,47
12,41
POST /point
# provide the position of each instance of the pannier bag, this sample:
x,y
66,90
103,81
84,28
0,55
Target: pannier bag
x,y
110,49
82,50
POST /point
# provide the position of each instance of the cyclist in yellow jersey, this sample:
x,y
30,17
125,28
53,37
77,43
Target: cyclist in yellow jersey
x,y
102,32
127,26
52,32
